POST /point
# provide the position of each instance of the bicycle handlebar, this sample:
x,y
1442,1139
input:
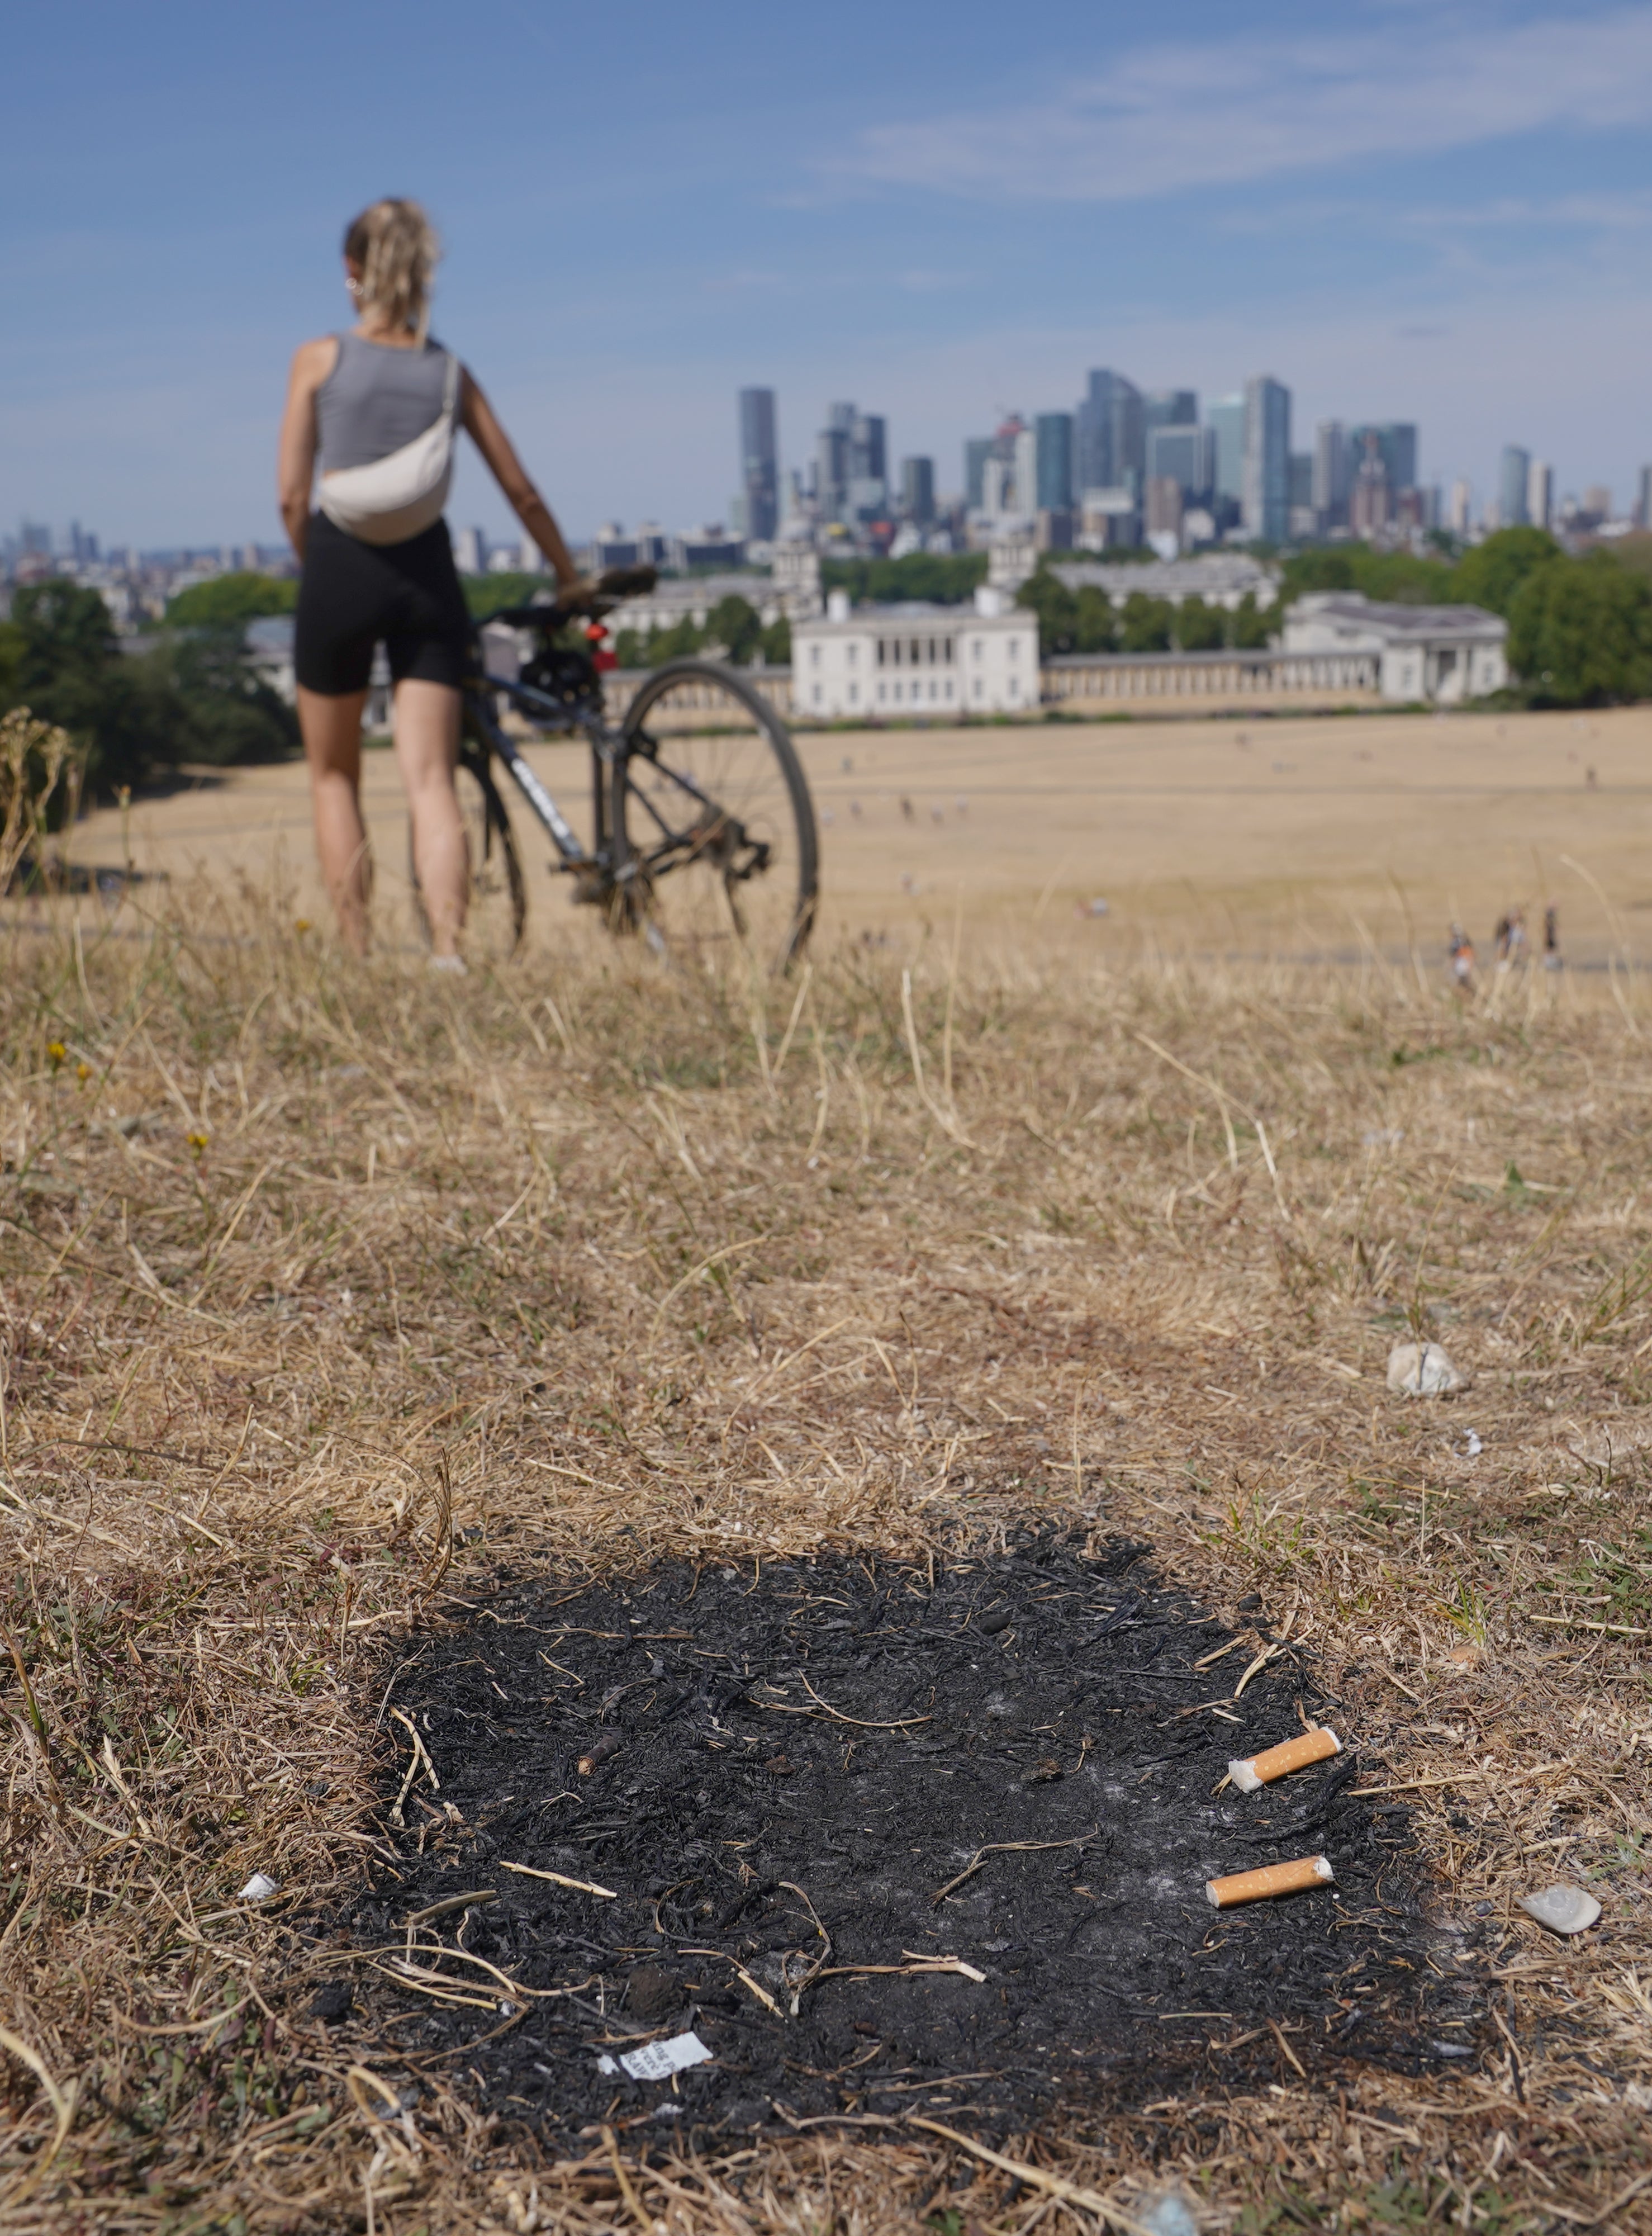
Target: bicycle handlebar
x,y
593,599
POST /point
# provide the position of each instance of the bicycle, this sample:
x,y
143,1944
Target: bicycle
x,y
703,836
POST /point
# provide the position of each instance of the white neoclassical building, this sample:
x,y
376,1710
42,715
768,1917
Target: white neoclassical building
x,y
901,660
1442,653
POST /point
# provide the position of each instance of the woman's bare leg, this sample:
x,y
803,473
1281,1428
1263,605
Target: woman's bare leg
x,y
332,730
427,753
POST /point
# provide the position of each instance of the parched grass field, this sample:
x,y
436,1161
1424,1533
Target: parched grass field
x,y
330,1292
1266,834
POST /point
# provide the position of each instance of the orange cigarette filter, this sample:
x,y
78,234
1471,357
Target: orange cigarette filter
x,y
1295,1754
1272,1879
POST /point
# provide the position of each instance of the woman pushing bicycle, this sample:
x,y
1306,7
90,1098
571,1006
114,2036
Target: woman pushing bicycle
x,y
379,409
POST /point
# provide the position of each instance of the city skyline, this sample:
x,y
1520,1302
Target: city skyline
x,y
1437,216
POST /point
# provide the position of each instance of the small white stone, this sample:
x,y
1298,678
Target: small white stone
x,y
1561,1909
1422,1370
1169,2214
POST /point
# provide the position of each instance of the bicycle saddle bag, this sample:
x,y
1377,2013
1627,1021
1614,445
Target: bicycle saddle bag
x,y
403,493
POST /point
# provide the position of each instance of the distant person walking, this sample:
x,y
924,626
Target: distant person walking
x,y
377,409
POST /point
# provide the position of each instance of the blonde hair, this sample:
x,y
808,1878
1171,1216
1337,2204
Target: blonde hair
x,y
397,247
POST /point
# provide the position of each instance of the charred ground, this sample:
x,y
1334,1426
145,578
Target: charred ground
x,y
785,1768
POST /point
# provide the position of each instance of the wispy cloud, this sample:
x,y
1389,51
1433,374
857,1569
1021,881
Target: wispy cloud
x,y
1168,118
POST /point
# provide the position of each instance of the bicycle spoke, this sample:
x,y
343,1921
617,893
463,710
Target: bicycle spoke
x,y
718,833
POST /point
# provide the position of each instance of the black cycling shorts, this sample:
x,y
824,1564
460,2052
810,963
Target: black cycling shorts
x,y
353,595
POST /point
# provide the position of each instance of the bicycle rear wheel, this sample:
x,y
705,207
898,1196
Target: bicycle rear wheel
x,y
715,849
498,906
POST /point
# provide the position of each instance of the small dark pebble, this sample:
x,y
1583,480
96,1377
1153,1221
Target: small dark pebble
x,y
653,1993
1000,1619
333,2003
1251,1601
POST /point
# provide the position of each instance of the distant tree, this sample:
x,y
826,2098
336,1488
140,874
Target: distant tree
x,y
776,643
11,658
734,624
1248,625
229,713
1147,623
1046,594
1396,577
1492,573
680,642
227,599
939,577
486,594
1199,627
1081,620
1095,622
1581,633
189,696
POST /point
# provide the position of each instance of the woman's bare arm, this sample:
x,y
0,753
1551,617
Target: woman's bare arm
x,y
508,469
296,457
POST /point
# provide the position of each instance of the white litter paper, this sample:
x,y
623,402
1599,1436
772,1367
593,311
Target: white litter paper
x,y
259,1888
657,2061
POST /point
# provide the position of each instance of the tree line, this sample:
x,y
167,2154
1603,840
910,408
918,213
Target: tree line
x,y
1580,629
184,694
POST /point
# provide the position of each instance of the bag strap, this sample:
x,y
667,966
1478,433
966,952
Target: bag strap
x,y
451,385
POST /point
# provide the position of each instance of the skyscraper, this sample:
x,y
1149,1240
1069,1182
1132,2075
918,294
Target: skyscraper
x,y
1170,407
1055,491
759,463
832,461
1332,474
918,490
869,469
1644,499
1540,494
1025,469
1226,417
1110,434
1396,442
1182,453
977,451
1266,500
1512,487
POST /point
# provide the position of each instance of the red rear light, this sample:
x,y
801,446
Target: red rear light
x,y
595,633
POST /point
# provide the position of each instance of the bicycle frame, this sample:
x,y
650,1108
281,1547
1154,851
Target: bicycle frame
x,y
548,713
539,708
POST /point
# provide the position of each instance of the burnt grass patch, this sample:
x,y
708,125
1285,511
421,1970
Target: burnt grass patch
x,y
775,1774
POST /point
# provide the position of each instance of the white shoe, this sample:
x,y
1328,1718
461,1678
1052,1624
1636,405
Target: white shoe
x,y
454,964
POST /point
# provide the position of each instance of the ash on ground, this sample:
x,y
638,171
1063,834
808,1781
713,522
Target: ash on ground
x,y
782,1773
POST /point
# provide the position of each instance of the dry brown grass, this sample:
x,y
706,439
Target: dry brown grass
x,y
327,1290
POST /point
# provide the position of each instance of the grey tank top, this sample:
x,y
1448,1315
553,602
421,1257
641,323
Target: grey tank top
x,y
376,399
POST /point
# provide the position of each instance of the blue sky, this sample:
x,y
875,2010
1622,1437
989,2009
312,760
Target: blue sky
x,y
1403,208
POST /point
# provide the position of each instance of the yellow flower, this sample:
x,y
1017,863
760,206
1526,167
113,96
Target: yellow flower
x,y
82,1072
198,1142
303,924
57,1051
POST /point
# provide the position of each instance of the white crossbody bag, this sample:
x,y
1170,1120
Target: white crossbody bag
x,y
402,494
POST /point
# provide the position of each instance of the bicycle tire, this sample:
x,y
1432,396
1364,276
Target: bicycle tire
x,y
742,872
498,915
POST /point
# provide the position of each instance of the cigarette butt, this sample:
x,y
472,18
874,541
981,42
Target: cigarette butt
x,y
1295,1754
1272,1879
